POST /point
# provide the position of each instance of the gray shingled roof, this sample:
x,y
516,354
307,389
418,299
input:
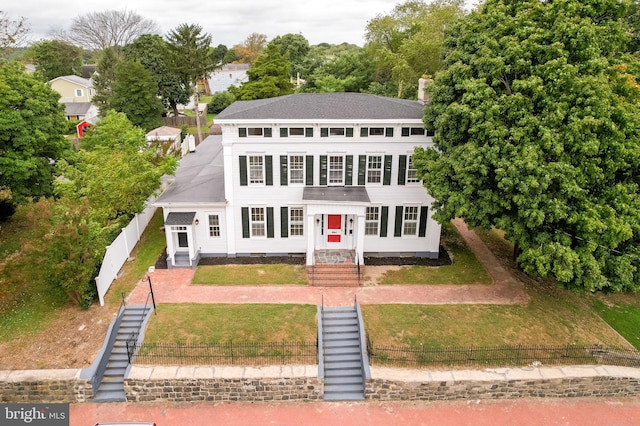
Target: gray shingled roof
x,y
77,108
321,106
336,194
180,219
199,177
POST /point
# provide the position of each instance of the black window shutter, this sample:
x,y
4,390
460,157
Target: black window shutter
x,y
384,220
284,132
268,164
349,177
242,132
324,132
308,132
423,222
267,132
405,131
362,169
245,222
284,222
388,132
270,233
349,132
364,132
309,171
398,228
386,179
402,169
243,170
323,170
284,176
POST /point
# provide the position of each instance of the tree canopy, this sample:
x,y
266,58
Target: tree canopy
x,y
55,58
269,77
32,123
134,93
408,40
108,28
151,51
538,133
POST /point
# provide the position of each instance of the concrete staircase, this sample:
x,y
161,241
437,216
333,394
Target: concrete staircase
x,y
335,275
342,357
111,384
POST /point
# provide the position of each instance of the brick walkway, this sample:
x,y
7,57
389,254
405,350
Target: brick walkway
x,y
174,286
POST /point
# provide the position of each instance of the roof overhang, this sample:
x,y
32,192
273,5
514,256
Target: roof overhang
x,y
336,194
180,219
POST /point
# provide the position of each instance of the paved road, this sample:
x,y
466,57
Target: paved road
x,y
547,412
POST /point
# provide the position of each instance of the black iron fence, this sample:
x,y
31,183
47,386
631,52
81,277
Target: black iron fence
x,y
231,353
501,356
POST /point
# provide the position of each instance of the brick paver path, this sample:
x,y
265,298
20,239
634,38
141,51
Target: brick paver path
x,y
174,286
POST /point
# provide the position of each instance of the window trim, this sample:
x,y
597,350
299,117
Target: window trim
x,y
368,221
343,168
214,228
253,222
299,224
78,93
250,179
291,169
415,222
410,168
380,170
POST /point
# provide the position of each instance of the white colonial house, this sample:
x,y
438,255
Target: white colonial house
x,y
301,174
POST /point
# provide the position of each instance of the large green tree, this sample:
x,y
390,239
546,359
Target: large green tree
x,y
191,56
54,58
32,125
538,133
268,77
406,43
114,171
135,94
104,79
151,51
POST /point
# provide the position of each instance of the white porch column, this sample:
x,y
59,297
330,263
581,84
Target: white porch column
x,y
360,238
311,237
191,241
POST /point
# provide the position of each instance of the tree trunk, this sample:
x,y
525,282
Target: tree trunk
x,y
196,101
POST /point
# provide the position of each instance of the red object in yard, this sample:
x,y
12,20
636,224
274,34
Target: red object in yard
x,y
82,127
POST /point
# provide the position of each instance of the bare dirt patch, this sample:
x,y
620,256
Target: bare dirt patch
x,y
72,339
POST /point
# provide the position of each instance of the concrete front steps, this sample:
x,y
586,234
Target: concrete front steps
x,y
344,373
111,388
335,275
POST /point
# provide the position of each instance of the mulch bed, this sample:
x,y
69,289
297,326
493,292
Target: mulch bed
x,y
442,260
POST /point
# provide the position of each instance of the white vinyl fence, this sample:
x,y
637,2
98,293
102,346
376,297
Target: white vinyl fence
x,y
120,249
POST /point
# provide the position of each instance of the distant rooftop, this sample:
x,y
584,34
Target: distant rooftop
x,y
324,106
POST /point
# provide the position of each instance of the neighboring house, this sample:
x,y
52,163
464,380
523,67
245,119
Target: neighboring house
x,y
170,138
227,76
73,88
301,173
77,111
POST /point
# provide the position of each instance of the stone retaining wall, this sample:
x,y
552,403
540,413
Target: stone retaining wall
x,y
280,383
300,383
36,386
389,384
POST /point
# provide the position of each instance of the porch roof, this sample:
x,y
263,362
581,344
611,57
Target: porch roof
x,y
352,194
180,219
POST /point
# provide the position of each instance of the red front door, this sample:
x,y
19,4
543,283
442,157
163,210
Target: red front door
x,y
334,225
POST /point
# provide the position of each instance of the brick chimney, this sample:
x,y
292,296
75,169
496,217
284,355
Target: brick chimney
x,y
422,85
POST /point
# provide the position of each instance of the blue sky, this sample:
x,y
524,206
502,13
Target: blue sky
x,y
229,22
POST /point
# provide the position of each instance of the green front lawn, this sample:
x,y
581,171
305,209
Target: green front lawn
x,y
218,323
623,316
251,275
465,269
